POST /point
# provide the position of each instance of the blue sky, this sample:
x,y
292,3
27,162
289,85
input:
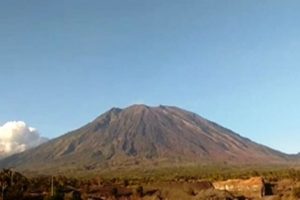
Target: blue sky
x,y
63,63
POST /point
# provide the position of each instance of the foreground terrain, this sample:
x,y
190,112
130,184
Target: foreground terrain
x,y
244,184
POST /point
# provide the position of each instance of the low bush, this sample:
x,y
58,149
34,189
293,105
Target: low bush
x,y
296,192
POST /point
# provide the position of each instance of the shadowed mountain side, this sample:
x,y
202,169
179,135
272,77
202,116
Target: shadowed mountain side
x,y
141,135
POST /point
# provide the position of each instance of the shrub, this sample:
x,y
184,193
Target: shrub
x,y
125,182
296,192
189,191
139,191
114,191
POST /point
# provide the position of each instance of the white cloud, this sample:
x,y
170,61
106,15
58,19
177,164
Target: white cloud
x,y
16,136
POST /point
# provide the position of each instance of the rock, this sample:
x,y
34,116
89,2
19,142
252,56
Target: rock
x,y
253,187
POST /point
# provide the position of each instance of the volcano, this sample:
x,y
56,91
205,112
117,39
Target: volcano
x,y
141,135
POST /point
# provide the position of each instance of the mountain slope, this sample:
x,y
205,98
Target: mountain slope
x,y
145,135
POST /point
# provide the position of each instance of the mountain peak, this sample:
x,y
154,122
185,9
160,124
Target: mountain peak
x,y
115,110
138,106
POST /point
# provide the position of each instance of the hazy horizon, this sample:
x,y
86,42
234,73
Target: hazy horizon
x,y
63,63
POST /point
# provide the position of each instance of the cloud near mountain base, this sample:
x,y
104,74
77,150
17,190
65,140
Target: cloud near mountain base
x,y
16,136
